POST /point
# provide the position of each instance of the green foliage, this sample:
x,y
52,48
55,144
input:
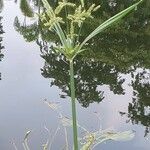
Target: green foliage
x,y
123,49
26,9
110,22
30,33
70,45
50,19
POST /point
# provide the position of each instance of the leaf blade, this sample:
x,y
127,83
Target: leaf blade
x,y
110,22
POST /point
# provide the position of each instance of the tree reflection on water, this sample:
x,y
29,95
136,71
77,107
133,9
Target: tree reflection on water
x,y
122,50
1,39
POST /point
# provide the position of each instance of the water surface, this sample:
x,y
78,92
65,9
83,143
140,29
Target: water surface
x,y
112,80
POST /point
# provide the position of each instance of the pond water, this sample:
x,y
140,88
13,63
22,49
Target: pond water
x,y
112,80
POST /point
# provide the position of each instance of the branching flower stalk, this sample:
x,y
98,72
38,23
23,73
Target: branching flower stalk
x,y
69,45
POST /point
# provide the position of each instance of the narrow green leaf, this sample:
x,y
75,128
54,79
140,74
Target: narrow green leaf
x,y
123,136
115,136
110,22
61,35
96,138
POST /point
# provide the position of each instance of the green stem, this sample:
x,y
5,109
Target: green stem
x,y
72,86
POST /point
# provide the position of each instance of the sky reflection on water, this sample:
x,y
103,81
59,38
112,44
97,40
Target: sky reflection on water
x,y
26,79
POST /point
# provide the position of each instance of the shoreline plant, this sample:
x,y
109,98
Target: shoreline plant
x,y
70,46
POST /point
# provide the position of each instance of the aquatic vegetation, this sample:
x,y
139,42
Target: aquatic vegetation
x,y
88,141
91,139
70,45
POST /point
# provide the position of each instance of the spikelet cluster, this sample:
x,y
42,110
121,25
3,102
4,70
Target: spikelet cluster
x,y
52,18
81,14
63,4
50,21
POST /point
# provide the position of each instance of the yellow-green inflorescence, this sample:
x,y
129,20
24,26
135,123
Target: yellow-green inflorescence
x,y
52,19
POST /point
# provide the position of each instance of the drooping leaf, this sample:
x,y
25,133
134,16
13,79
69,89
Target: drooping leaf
x,y
96,138
116,136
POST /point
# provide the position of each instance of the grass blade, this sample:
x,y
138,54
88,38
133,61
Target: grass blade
x,y
93,139
115,136
110,22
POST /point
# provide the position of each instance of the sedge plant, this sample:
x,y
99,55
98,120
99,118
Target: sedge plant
x,y
70,46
